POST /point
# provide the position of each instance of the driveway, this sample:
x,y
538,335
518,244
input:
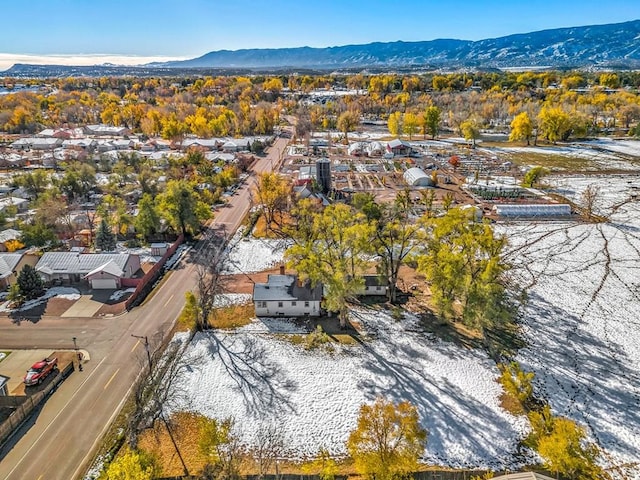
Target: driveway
x,y
16,364
85,306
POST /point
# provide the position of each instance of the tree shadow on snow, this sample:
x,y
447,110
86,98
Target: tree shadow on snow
x,y
262,384
584,377
458,425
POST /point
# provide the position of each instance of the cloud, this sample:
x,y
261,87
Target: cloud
x,y
9,59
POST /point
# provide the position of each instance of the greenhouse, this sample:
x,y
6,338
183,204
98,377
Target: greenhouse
x,y
533,210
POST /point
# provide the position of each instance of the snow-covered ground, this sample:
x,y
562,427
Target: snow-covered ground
x,y
582,321
625,147
258,377
595,158
250,255
67,293
118,294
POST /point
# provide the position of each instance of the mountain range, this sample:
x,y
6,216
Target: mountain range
x,y
612,45
607,46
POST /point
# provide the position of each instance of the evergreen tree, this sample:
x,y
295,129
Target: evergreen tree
x,y
105,239
30,284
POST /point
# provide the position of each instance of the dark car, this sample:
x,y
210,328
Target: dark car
x,y
39,371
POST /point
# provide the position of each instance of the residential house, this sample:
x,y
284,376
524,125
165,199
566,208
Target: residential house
x,y
80,144
11,264
100,270
20,203
122,144
211,144
285,295
12,160
374,285
8,235
236,145
37,143
106,131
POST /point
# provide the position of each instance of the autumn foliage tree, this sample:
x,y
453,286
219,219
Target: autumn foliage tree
x,y
521,128
388,440
271,192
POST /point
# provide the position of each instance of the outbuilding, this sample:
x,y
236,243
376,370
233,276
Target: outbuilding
x,y
416,177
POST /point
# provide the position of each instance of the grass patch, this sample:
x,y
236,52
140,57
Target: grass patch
x,y
233,316
552,161
186,429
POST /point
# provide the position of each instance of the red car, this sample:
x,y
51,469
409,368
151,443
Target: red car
x,y
39,371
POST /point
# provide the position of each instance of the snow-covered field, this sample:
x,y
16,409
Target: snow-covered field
x,y
582,326
250,255
583,318
258,377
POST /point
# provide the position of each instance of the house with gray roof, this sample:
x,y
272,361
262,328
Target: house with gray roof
x,y
106,130
99,270
11,265
285,296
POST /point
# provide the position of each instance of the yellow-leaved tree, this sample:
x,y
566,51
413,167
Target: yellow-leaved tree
x,y
521,128
132,465
388,440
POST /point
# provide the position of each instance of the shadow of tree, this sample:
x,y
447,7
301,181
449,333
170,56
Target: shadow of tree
x,y
459,426
263,385
585,377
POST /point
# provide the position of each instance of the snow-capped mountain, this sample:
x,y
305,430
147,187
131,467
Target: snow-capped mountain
x,y
614,44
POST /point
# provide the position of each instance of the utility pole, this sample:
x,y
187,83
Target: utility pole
x,y
78,355
146,347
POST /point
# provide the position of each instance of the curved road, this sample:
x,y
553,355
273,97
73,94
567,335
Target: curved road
x,y
62,438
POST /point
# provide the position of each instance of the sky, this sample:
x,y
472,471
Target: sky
x,y
118,31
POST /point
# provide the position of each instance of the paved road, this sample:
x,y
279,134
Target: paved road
x,y
63,436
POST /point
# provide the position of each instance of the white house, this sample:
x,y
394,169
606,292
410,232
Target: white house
x,y
284,295
374,285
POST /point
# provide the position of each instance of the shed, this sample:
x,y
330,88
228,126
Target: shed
x,y
159,249
416,177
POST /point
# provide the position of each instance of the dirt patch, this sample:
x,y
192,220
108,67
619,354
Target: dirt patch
x,y
56,306
115,309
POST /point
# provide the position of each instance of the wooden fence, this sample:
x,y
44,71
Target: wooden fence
x,y
426,475
26,404
146,284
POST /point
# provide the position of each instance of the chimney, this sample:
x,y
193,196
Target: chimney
x,y
281,269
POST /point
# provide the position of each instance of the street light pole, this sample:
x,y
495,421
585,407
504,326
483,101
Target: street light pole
x,y
146,347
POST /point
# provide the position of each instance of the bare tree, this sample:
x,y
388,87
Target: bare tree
x,y
589,198
211,259
156,391
268,447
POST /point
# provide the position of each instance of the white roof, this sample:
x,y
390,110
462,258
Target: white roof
x,y
9,234
110,267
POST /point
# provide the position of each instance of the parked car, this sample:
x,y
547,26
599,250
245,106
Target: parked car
x,y
39,371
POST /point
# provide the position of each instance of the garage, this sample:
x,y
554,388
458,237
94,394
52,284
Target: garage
x,y
104,284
